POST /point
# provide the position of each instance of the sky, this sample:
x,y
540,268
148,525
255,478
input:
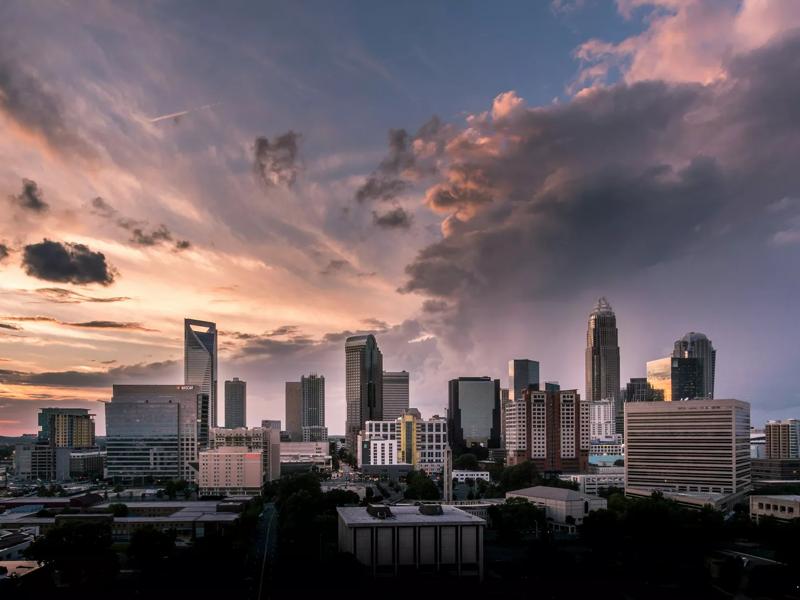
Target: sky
x,y
462,179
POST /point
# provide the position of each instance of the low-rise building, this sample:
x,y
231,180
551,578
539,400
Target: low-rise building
x,y
461,475
564,508
305,456
264,439
230,471
13,543
398,538
781,507
592,483
774,469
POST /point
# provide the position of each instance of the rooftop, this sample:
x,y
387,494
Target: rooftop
x,y
355,516
778,497
548,493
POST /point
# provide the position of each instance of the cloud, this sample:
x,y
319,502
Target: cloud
x,y
65,296
138,229
10,326
83,324
30,198
339,266
136,373
66,262
276,163
4,251
396,218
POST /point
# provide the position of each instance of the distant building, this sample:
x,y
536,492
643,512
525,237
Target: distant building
x,y
294,410
758,443
698,346
363,384
389,539
415,441
676,378
66,427
639,390
235,403
265,440
565,509
461,475
474,412
783,438
602,423
602,358
395,394
594,483
230,471
155,431
200,361
312,407
87,463
305,456
700,446
781,507
523,374
549,428
775,470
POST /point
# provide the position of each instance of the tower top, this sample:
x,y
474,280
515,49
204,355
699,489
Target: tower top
x,y
602,307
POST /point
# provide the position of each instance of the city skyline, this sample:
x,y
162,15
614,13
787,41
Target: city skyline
x,y
464,201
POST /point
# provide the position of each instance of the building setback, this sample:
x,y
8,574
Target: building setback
x,y
602,358
395,394
700,446
235,403
363,385
200,361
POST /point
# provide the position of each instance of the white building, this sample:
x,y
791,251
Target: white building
x,y
592,483
602,419
611,447
305,455
782,507
383,452
461,475
262,439
418,442
405,538
783,438
564,508
231,471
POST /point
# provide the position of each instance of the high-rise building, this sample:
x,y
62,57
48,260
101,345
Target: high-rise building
x,y
66,427
602,358
409,439
200,361
639,390
523,374
235,403
363,384
551,428
700,446
312,408
265,439
230,471
294,410
675,378
395,394
155,431
697,345
782,439
602,423
473,412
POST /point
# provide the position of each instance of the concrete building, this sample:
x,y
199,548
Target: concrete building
x,y
200,361
305,456
565,509
783,439
602,358
66,427
473,412
461,475
88,463
395,394
612,447
363,384
230,471
265,440
400,538
697,346
781,507
421,443
235,403
550,428
592,483
155,431
775,470
294,410
312,409
758,443
602,422
698,446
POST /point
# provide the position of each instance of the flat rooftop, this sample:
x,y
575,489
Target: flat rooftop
x,y
548,493
779,497
357,516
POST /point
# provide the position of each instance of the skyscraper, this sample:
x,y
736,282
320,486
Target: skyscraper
x,y
363,385
235,403
697,345
782,439
294,410
675,378
602,358
313,408
639,390
522,374
395,394
200,361
66,427
473,412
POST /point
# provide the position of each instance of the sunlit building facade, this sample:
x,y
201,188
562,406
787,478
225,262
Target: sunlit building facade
x,y
200,361
698,346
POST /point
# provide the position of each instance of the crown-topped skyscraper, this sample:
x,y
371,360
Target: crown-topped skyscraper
x,y
602,358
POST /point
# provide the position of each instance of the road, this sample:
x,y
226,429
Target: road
x,y
267,540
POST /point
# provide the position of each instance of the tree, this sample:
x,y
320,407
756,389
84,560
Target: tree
x,y
515,518
466,462
150,547
118,509
519,476
420,487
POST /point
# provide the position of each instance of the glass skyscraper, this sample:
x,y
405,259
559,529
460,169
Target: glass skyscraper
x,y
697,345
312,408
522,374
473,412
363,385
200,361
395,394
235,403
602,358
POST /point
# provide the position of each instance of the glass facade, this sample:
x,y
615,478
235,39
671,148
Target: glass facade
x,y
200,361
659,377
522,375
474,411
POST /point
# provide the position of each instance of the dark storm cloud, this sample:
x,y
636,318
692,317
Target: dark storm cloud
x,y
28,102
84,324
138,229
30,198
137,373
65,296
268,346
338,266
276,162
66,262
10,326
396,218
4,251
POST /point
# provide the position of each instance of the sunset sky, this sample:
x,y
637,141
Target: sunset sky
x,y
462,179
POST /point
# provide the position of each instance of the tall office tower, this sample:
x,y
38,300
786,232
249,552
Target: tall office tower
x,y
265,439
155,431
551,428
294,410
473,412
395,394
602,423
693,447
783,438
235,403
200,361
697,345
523,374
675,378
602,358
66,427
639,390
313,409
363,385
